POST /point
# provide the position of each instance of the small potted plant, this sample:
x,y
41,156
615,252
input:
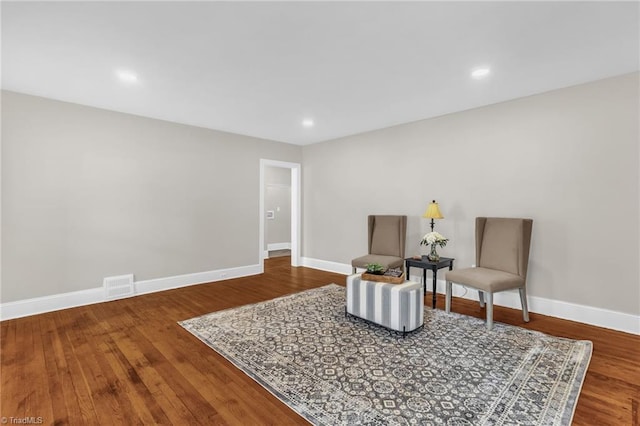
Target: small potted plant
x,y
374,268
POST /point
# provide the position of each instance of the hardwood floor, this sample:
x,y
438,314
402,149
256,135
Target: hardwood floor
x,y
129,362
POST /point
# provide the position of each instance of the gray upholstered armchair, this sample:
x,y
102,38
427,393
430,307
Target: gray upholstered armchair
x,y
502,259
387,236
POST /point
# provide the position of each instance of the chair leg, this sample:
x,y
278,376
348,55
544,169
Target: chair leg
x,y
489,310
481,298
523,300
447,300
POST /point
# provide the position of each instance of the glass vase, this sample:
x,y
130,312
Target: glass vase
x,y
433,254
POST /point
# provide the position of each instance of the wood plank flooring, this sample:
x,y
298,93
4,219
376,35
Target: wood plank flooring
x,y
129,362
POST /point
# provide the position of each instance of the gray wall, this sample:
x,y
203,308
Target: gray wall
x,y
89,193
277,197
567,158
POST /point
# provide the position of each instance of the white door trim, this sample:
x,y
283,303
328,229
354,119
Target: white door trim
x,y
295,209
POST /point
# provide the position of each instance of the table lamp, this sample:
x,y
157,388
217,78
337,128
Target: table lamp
x,y
433,212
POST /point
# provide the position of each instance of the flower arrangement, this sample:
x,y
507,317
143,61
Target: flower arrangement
x,y
374,268
434,239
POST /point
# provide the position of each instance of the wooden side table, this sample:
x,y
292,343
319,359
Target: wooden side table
x,y
425,264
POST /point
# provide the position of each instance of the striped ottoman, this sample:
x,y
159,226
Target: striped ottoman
x,y
399,307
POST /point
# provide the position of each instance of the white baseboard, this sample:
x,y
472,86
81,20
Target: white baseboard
x,y
325,265
585,314
554,308
167,283
39,305
275,246
279,246
511,299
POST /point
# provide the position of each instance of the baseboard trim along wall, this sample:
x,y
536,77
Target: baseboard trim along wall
x,y
276,246
39,305
279,246
325,265
511,299
585,314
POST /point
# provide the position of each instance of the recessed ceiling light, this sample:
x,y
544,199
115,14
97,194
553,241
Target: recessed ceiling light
x,y
479,73
307,122
127,76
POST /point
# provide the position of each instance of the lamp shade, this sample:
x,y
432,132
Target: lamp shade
x,y
433,211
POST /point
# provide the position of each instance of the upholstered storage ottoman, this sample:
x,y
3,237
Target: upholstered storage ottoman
x,y
399,307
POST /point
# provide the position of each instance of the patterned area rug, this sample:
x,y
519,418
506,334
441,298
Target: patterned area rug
x,y
335,370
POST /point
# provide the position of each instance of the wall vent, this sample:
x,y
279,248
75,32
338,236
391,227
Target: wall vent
x,y
118,287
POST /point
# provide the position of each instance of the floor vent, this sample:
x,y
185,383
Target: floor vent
x,y
118,287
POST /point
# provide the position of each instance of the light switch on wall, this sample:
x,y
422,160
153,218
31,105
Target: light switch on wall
x,y
271,214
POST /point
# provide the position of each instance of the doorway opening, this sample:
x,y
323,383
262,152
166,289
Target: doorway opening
x,y
270,214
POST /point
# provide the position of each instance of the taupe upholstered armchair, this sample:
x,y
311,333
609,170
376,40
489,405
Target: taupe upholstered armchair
x,y
502,258
387,236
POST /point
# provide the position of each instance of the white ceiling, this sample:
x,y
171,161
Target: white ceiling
x,y
260,68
